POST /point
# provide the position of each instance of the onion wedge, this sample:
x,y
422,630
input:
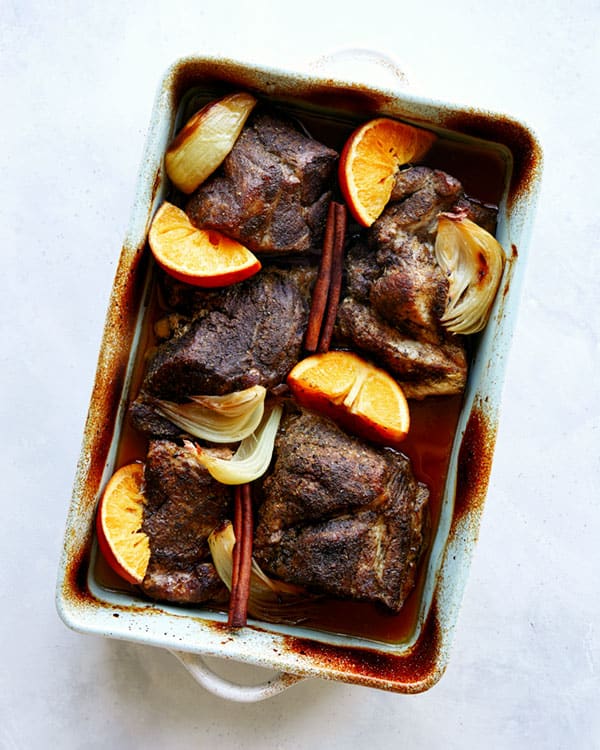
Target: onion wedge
x,y
218,419
206,139
473,261
252,457
268,600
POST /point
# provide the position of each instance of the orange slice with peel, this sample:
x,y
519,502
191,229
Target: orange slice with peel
x,y
118,524
202,257
369,160
356,394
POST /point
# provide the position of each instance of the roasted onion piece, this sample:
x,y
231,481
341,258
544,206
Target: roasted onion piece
x,y
473,260
251,459
269,600
218,419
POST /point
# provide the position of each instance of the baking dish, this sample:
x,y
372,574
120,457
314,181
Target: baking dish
x,y
416,661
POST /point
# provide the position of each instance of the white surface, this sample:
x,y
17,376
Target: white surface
x,y
77,84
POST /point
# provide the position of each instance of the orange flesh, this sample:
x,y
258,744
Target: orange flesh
x,y
119,520
358,395
197,256
370,159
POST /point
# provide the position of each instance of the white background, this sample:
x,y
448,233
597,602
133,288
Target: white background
x,y
77,84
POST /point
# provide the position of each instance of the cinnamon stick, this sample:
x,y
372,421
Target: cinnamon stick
x,y
335,286
237,531
321,288
238,608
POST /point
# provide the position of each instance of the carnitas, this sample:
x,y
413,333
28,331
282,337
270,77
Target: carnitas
x,y
396,292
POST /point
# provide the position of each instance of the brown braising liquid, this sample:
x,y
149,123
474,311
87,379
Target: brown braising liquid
x,y
482,171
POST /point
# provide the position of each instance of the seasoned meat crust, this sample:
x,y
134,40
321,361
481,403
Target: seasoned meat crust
x,y
193,301
146,419
183,505
339,516
423,368
396,292
400,280
424,192
418,195
409,288
272,190
249,334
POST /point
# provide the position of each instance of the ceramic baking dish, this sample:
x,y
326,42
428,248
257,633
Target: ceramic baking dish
x,y
416,661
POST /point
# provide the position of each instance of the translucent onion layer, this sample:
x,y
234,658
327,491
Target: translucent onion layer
x,y
473,260
219,419
252,457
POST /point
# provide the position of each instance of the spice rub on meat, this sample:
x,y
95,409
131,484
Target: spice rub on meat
x,y
340,516
271,192
243,335
396,292
183,505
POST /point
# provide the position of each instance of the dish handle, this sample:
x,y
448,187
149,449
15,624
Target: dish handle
x,y
350,63
205,676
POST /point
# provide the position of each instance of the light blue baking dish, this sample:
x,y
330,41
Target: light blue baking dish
x,y
417,661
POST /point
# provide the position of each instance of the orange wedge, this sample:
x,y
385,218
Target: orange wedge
x,y
118,524
202,257
359,396
369,160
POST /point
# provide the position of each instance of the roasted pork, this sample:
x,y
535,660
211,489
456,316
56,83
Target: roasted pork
x,y
396,292
248,334
272,191
183,505
340,516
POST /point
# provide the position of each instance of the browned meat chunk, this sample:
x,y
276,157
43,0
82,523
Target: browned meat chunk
x,y
396,292
197,584
191,301
423,369
147,419
339,516
418,195
249,334
402,282
272,190
183,505
409,290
